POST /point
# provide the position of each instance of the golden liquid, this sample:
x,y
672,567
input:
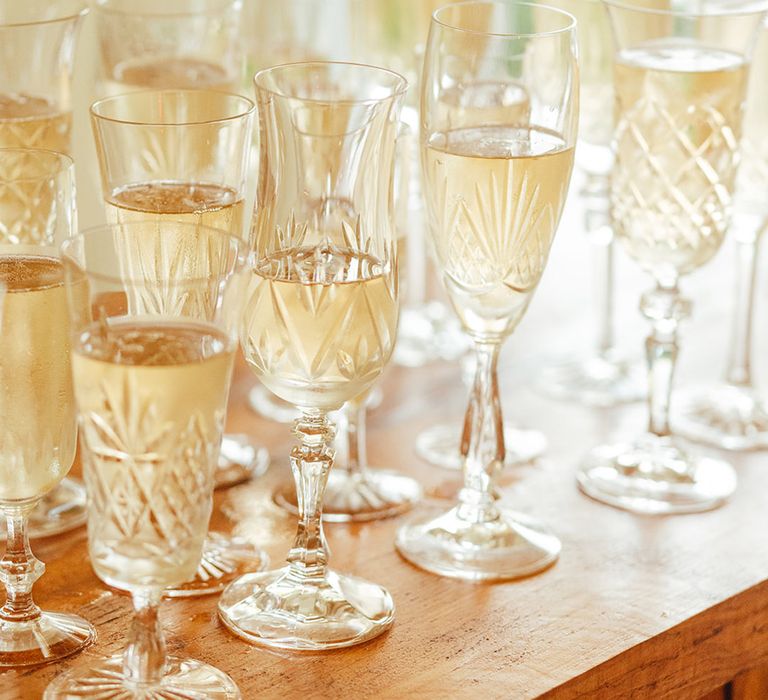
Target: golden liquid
x,y
152,401
33,122
319,324
188,202
37,411
170,73
494,199
679,108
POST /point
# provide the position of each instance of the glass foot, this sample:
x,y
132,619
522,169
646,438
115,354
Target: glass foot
x,y
427,333
60,510
654,476
239,460
50,637
224,559
439,445
184,679
277,609
726,416
512,546
595,381
264,403
358,497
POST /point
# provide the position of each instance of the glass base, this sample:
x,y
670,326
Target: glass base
x,y
276,609
726,416
595,381
654,476
240,460
184,679
60,510
224,559
512,546
440,445
358,497
427,333
50,637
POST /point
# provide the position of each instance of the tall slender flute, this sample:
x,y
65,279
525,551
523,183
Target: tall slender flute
x,y
495,184
680,79
732,415
320,320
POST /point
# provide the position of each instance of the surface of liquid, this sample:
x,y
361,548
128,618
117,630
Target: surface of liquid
x,y
37,411
152,402
679,110
319,324
494,197
169,73
33,122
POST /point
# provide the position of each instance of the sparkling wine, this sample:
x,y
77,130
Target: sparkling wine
x,y
189,202
495,196
33,122
679,107
37,412
319,323
170,73
152,402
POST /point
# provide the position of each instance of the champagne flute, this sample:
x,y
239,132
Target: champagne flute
x,y
180,155
152,358
495,186
731,414
39,430
37,41
320,320
148,45
604,377
680,77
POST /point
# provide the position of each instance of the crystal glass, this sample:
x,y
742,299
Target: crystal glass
x,y
180,155
173,44
731,414
495,183
37,43
154,312
148,45
39,430
605,376
320,320
680,79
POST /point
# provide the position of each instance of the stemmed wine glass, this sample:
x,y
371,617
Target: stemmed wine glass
x,y
152,356
732,415
604,377
38,40
495,187
680,77
180,155
38,430
320,320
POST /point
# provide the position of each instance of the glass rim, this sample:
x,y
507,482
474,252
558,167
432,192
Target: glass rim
x,y
569,27
241,114
65,253
400,87
757,9
66,17
65,162
102,6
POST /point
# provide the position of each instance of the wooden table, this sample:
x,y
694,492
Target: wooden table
x,y
637,607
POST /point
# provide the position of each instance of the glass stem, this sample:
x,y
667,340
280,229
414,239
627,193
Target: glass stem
x,y
311,462
144,657
598,227
664,308
482,442
19,569
739,371
356,450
